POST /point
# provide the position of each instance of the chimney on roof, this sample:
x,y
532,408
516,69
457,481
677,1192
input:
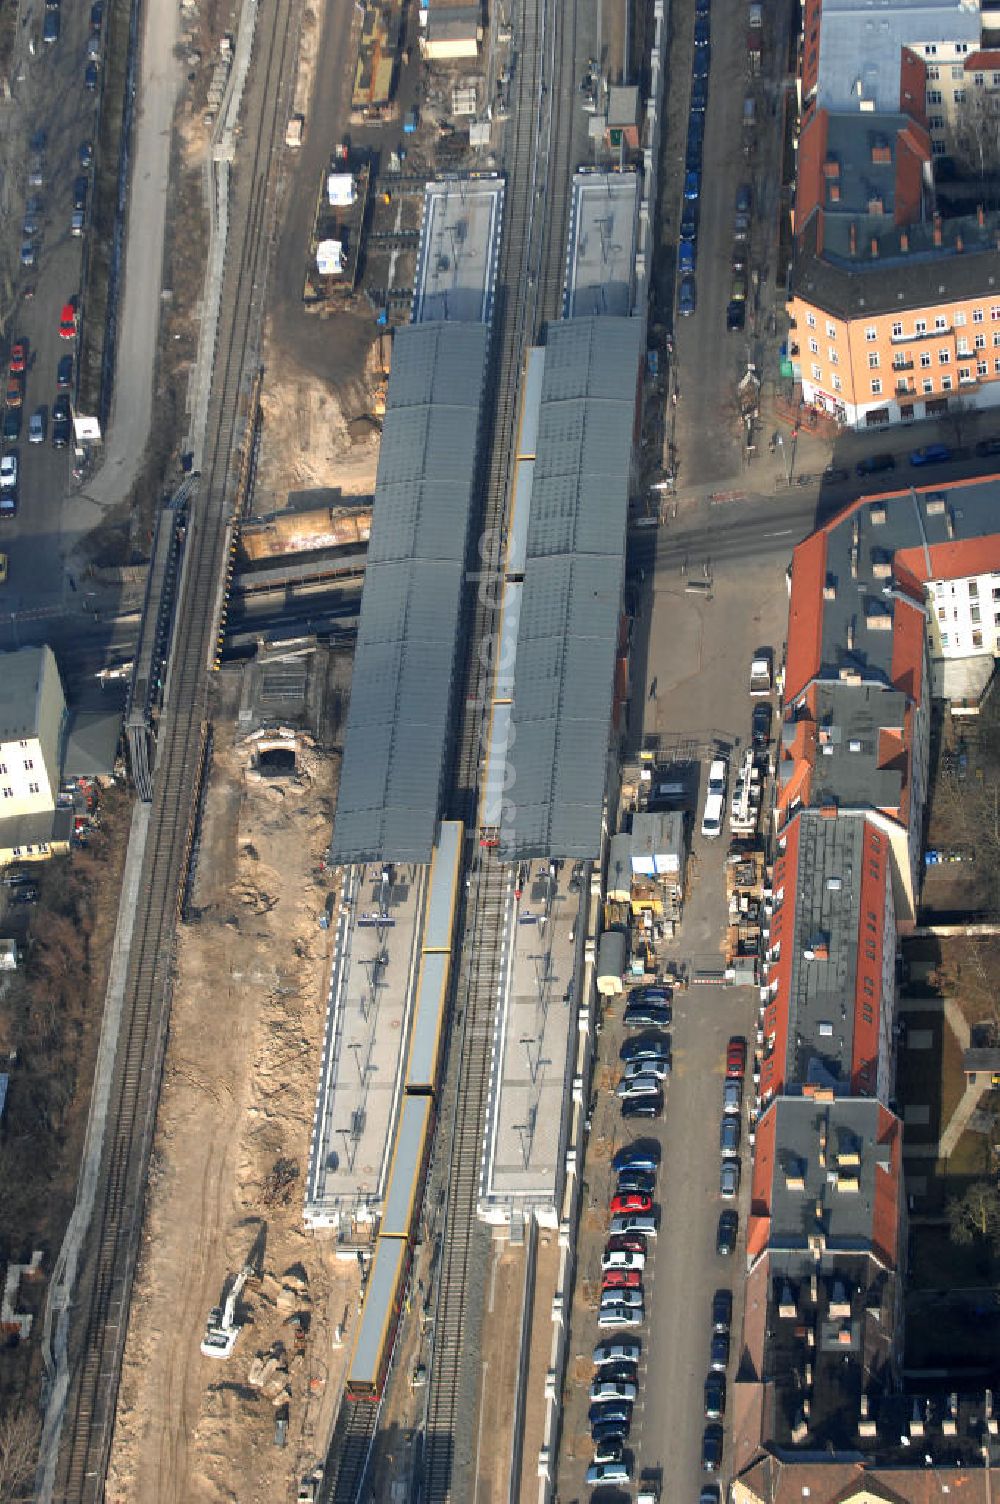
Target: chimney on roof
x,y
850,635
981,216
937,229
904,241
853,239
822,1142
874,247
959,244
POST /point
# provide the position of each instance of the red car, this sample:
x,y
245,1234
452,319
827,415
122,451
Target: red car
x,y
631,1242
621,1279
736,1058
18,357
630,1201
67,322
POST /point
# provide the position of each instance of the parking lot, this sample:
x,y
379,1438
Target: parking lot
x,y
54,113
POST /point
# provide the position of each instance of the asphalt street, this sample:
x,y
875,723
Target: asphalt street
x,y
48,95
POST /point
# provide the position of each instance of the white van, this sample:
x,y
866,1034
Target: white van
x,y
717,777
711,820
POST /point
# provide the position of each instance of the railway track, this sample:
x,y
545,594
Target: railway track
x,y
101,1300
352,1444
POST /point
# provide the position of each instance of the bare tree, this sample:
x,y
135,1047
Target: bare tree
x,y
976,131
975,1216
18,1451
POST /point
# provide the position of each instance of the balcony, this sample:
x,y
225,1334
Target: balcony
x,y
905,390
902,365
916,335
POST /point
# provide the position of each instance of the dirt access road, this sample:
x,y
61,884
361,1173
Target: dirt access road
x,y
237,1098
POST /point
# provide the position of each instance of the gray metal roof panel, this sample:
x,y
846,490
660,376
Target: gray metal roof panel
x,y
407,1163
443,890
428,1020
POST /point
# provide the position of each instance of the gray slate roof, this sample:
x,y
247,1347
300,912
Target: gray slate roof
x,y
564,672
400,714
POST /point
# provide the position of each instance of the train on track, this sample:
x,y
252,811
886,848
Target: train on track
x,y
385,1289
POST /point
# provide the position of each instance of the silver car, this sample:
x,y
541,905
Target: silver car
x,y
643,1084
36,426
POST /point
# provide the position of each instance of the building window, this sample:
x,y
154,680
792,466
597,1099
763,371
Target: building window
x,y
942,613
938,147
944,357
873,360
961,48
838,385
933,74
956,73
876,387
982,368
935,122
831,330
3,768
978,79
32,788
946,383
930,50
973,589
959,320
959,96
977,315
814,347
996,339
977,639
834,358
944,639
996,80
811,320
980,342
964,374
817,373
897,331
871,333
29,763
933,96
996,367
940,322
996,593
927,385
22,744
925,358
963,346
919,327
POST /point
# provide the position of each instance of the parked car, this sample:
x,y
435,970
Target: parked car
x,y
603,1431
629,1222
709,1494
722,1310
729,1178
741,226
931,454
610,1450
646,1047
605,1389
36,426
645,1084
29,253
67,322
607,1472
987,447
12,424
643,1105
702,7
686,256
80,186
692,185
36,170
62,422
64,373
702,31
640,1156
651,992
96,15
875,464
718,1352
693,154
615,1411
617,1352
760,725
729,1137
646,1015
689,222
732,1094
651,1065
30,225
8,472
744,197
834,475
625,1372
18,357
626,1298
631,1243
725,1237
736,317
711,1448
699,94
713,816
622,1258
637,1180
736,1057
610,1317
85,154
15,390
621,1279
715,1396
631,1201
50,26
90,76
702,62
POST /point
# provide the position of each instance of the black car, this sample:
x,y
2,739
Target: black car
x,y
648,1106
654,1046
692,157
736,316
12,424
709,1494
86,153
722,1310
609,1430
621,1372
90,74
718,1352
711,1449
62,422
80,186
760,724
833,475
725,1238
701,32
702,7
604,1410
875,464
699,94
50,26
689,222
96,15
715,1396
637,1180
64,373
645,1015
987,447
702,60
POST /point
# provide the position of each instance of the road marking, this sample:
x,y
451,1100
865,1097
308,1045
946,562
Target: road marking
x,y
786,532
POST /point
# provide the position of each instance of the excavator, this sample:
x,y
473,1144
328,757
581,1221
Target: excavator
x,y
222,1327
